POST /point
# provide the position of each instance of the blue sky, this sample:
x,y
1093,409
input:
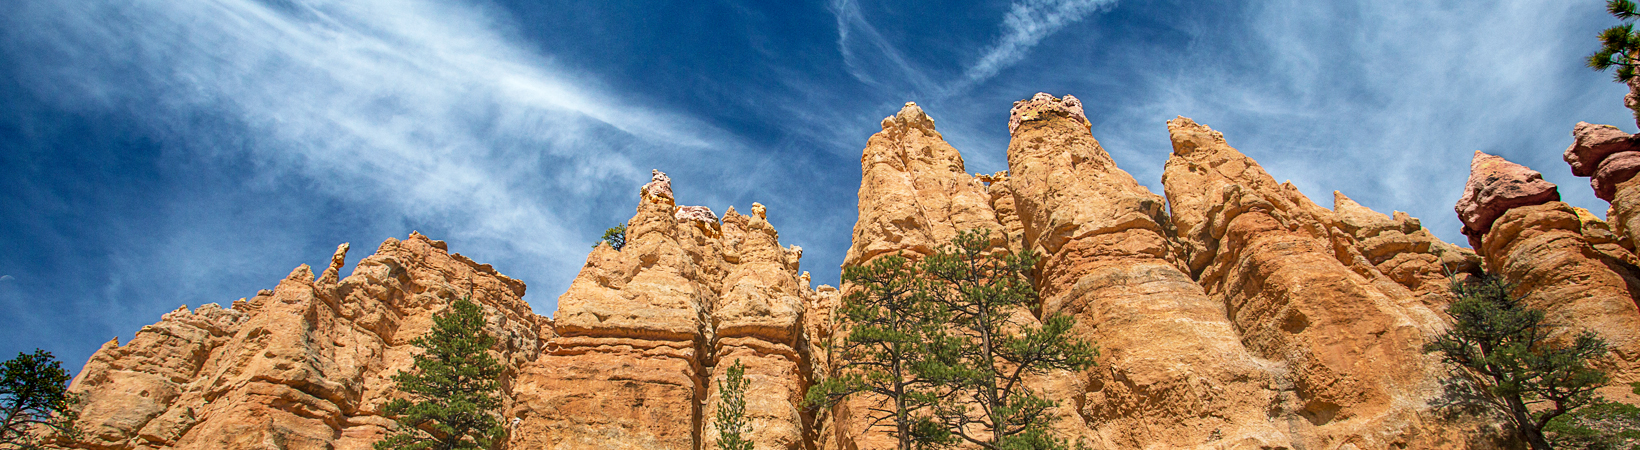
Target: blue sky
x,y
159,153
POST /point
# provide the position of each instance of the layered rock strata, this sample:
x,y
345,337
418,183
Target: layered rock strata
x,y
1173,372
1351,344
306,365
643,332
1562,260
625,369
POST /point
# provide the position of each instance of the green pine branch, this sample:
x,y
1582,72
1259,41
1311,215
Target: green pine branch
x,y
1619,45
1504,348
455,387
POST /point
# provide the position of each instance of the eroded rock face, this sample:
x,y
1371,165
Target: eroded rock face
x,y
647,333
1172,372
1496,185
1568,263
623,372
759,323
915,196
306,365
915,193
1043,106
1235,314
1271,256
1610,158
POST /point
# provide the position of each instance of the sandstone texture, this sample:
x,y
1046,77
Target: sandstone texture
x,y
306,365
1494,186
1610,158
643,333
1351,343
1231,312
1173,372
915,195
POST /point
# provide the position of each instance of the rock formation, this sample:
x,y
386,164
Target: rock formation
x,y
1233,314
1173,373
625,370
304,365
1562,259
1610,158
915,195
1352,348
1494,186
644,331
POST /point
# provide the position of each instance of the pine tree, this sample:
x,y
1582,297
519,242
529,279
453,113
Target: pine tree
x,y
892,331
1603,425
35,401
615,236
1619,44
731,412
1502,346
983,289
456,383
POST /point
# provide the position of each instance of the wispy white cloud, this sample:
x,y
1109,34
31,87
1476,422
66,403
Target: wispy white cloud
x,y
429,109
1022,28
1027,23
849,21
1383,101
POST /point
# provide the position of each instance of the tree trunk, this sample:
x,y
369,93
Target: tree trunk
x,y
1524,425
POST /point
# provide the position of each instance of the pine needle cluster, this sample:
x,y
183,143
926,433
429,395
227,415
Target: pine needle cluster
x,y
1619,44
733,429
1506,349
455,383
35,402
944,347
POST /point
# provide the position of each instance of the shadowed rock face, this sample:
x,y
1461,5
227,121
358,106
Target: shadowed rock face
x,y
1568,263
1172,372
1351,342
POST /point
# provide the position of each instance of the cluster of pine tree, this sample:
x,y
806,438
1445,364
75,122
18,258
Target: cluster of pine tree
x,y
942,347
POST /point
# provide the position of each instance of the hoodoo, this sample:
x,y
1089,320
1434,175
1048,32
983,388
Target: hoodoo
x,y
1231,312
1351,343
1170,354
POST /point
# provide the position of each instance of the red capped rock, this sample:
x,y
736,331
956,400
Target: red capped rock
x,y
1496,185
1043,106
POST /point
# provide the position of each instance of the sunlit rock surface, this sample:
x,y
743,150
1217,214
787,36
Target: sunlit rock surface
x,y
1231,313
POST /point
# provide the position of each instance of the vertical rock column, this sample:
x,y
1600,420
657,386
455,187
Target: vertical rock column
x,y
1353,354
758,322
915,195
623,371
1558,256
1172,372
915,192
1610,158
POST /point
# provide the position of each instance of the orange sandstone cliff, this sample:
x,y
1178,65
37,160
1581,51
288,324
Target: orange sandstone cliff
x,y
1231,311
